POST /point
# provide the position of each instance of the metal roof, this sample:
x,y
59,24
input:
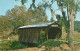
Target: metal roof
x,y
37,25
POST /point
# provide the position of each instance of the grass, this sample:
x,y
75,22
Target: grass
x,y
76,35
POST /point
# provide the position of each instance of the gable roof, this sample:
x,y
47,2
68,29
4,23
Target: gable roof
x,y
37,25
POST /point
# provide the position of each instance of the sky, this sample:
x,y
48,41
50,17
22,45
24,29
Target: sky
x,y
6,5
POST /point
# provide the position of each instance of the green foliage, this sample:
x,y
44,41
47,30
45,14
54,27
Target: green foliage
x,y
52,19
66,3
5,45
77,44
19,16
5,24
77,26
42,36
16,45
11,45
78,29
23,2
58,17
54,43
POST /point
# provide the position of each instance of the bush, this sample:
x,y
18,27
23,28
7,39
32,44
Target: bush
x,y
4,45
11,45
42,36
16,45
54,43
78,29
77,26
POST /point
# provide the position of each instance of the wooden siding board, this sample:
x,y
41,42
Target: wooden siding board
x,y
32,35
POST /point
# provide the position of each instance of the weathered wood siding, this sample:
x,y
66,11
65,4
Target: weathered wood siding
x,y
32,35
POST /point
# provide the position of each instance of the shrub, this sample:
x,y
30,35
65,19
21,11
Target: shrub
x,y
54,43
42,36
16,45
11,45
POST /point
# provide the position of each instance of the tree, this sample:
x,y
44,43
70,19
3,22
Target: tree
x,y
36,16
5,25
69,20
19,16
16,17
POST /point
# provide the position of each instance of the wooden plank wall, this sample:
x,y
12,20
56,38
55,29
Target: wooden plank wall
x,y
32,35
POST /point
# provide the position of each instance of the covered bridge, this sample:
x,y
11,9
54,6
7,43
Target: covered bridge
x,y
31,33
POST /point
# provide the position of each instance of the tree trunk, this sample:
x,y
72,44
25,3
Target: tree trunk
x,y
71,18
71,29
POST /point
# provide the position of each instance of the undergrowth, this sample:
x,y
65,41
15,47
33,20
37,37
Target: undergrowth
x,y
11,45
53,43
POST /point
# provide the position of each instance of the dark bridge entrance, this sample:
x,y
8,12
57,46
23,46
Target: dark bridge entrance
x,y
54,32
